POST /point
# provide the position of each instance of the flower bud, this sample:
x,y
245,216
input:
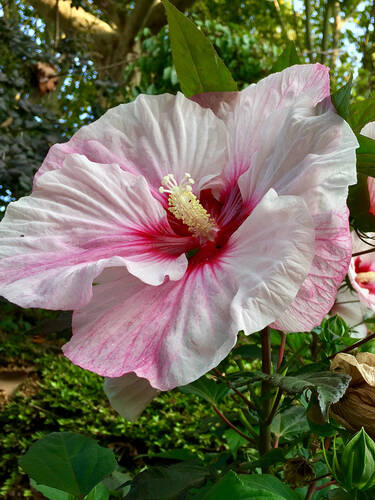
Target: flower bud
x,y
355,469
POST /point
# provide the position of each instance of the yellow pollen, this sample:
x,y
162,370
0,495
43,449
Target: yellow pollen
x,y
185,206
368,277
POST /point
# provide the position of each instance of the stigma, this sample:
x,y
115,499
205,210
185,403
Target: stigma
x,y
185,206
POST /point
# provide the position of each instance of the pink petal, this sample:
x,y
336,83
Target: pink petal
x,y
170,334
317,294
371,191
152,136
271,255
174,333
308,152
79,220
129,395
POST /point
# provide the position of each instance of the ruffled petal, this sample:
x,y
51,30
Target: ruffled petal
x,y
79,220
129,395
333,248
170,335
309,153
152,136
270,260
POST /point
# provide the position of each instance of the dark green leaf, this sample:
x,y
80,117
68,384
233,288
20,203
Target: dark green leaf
x,y
211,391
341,98
51,493
361,113
199,68
69,462
271,484
366,156
288,58
329,386
290,424
100,492
272,457
234,441
167,483
248,351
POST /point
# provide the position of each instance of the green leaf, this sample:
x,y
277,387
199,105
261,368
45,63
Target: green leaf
x,y
245,487
271,484
69,462
359,205
329,386
361,113
289,57
167,483
248,351
234,441
51,493
199,68
366,156
290,424
341,98
211,391
100,492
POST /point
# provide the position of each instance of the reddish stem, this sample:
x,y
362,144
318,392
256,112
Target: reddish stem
x,y
276,443
310,491
363,252
317,488
239,394
354,346
232,426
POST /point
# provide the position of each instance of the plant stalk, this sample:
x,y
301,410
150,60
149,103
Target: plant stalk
x,y
264,425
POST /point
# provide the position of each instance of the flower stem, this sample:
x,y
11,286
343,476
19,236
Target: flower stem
x,y
232,426
354,346
363,252
264,426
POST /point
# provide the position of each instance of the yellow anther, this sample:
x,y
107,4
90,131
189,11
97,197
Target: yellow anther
x,y
185,206
368,277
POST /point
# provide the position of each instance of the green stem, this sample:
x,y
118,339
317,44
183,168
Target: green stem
x,y
308,37
264,426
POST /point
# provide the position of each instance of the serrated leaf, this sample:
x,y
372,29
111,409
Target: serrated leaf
x,y
199,68
290,423
167,483
56,461
366,156
211,391
341,98
289,57
329,386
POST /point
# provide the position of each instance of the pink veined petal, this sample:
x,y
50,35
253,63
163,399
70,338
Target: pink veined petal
x,y
264,105
271,256
79,220
129,395
174,333
331,261
309,153
170,335
371,191
152,136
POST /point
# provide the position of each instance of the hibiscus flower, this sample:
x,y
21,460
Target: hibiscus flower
x,y
362,269
168,225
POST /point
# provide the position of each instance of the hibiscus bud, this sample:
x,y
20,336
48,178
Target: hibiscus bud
x,y
298,472
356,409
356,468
